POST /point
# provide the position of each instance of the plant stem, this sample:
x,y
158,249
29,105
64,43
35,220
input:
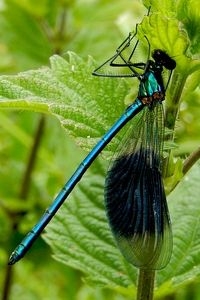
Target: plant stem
x,y
191,160
57,37
7,282
23,193
145,284
173,100
171,111
61,31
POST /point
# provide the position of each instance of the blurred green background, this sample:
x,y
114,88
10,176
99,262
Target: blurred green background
x,y
30,32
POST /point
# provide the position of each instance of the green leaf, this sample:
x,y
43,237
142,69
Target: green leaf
x,y
65,90
166,7
185,11
80,236
164,33
188,13
185,210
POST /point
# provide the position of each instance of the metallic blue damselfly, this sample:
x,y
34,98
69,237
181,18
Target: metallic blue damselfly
x,y
134,193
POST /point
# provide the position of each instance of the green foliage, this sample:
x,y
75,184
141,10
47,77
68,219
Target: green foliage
x,y
64,91
86,106
80,237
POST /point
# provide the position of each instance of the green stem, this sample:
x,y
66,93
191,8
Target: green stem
x,y
171,111
23,193
145,284
172,104
173,100
58,36
61,31
7,282
191,160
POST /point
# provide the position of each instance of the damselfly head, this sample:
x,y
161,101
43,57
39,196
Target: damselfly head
x,y
162,58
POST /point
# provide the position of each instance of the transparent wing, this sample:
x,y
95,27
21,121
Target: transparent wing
x,y
135,199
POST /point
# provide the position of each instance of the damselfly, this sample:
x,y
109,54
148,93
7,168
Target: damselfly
x,y
135,198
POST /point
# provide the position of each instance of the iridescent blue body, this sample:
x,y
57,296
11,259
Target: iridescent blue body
x,y
151,94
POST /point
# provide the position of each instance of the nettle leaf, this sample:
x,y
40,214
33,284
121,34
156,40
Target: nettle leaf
x,y
166,7
165,33
80,236
173,26
185,214
67,90
188,14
